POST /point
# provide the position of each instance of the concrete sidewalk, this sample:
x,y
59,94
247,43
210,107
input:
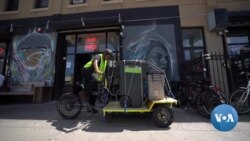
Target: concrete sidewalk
x,y
41,122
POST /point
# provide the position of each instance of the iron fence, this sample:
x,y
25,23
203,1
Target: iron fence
x,y
223,71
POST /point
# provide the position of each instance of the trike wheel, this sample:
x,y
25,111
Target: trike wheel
x,y
69,106
163,116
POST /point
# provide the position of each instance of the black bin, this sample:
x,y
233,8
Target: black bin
x,y
132,73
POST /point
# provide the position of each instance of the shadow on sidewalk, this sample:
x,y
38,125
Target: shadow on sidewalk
x,y
115,123
95,123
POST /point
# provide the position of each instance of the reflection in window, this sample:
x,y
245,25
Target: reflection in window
x,y
192,54
237,43
113,41
237,40
71,40
192,38
193,43
72,2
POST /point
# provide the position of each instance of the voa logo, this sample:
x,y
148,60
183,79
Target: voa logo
x,y
224,117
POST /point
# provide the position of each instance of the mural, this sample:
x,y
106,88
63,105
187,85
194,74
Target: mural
x,y
156,44
33,58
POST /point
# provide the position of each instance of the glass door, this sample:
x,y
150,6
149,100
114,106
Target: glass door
x,y
78,49
70,59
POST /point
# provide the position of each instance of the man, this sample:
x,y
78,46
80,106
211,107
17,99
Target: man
x,y
92,73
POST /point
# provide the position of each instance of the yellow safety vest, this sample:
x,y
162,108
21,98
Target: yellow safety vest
x,y
102,66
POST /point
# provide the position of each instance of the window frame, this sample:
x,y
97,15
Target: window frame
x,y
195,47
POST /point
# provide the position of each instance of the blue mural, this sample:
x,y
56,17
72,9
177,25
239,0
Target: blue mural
x,y
154,43
33,58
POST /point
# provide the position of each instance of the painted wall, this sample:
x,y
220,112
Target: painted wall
x,y
32,58
154,43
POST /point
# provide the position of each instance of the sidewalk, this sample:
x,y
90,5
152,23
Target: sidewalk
x,y
41,122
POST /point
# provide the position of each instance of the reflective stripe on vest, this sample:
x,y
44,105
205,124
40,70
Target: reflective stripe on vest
x,y
102,66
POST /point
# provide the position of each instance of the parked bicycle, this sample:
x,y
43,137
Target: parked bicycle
x,y
201,96
240,98
210,97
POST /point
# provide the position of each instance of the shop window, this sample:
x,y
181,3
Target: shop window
x,y
73,2
237,43
41,3
71,40
193,43
113,41
92,42
11,5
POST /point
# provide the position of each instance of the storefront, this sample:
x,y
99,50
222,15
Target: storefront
x,y
52,50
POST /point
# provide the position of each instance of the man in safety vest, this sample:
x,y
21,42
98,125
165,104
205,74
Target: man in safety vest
x,y
92,73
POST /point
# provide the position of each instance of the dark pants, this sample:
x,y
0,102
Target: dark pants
x,y
90,85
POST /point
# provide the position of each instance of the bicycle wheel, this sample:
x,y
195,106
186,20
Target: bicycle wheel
x,y
69,106
213,99
240,101
201,100
208,101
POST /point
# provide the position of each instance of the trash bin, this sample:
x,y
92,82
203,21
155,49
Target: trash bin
x,y
132,73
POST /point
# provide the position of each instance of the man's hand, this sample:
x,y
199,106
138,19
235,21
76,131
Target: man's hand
x,y
100,73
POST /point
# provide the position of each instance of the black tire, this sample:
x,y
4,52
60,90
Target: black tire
x,y
201,99
208,101
104,97
241,107
69,106
163,116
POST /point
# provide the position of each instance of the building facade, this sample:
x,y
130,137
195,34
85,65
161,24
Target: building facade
x,y
46,42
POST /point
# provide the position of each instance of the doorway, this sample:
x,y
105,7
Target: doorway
x,y
76,49
80,61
